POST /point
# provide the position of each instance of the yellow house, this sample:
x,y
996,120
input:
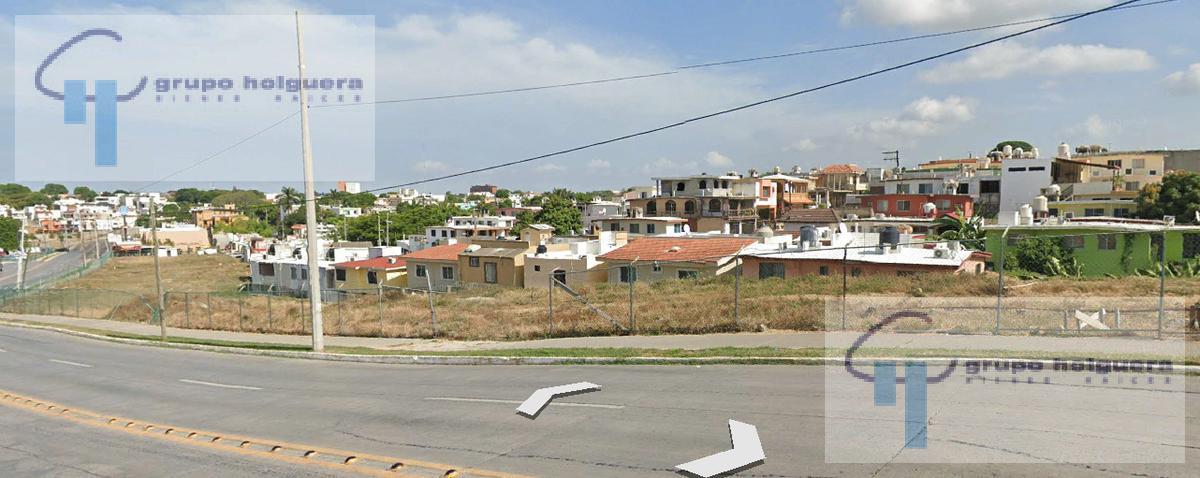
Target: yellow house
x,y
389,271
502,262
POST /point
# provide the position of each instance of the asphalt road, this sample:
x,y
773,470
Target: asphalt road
x,y
50,265
646,420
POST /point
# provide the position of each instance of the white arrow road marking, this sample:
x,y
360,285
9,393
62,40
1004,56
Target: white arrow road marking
x,y
747,450
77,364
492,400
1092,320
533,405
219,385
3,351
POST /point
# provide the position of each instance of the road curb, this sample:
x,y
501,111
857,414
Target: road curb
x,y
501,360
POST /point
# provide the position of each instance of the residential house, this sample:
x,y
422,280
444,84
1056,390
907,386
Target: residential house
x,y
434,267
349,187
484,189
1090,200
918,205
730,202
208,216
635,224
835,182
598,209
189,238
1105,245
657,258
389,271
466,227
578,265
502,261
852,255
794,220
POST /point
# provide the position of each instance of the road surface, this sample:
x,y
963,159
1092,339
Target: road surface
x,y
644,421
50,265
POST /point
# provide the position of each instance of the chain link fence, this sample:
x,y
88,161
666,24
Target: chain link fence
x,y
729,294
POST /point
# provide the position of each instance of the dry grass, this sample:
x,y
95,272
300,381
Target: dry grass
x,y
690,307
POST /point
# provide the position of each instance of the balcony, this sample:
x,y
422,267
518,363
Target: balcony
x,y
742,214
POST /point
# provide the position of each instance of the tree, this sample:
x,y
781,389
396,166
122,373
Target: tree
x,y
189,195
246,226
241,199
558,210
1015,144
53,189
85,193
1178,195
968,231
1043,255
10,234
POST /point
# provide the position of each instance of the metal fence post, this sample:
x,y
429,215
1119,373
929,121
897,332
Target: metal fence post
x,y
76,302
550,306
187,310
379,292
432,312
241,315
1000,289
845,282
208,302
1162,281
632,317
269,312
737,290
338,298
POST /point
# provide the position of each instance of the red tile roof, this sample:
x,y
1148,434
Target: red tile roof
x,y
376,263
841,169
691,249
447,252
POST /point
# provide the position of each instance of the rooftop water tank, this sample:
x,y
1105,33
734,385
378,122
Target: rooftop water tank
x,y
889,236
808,235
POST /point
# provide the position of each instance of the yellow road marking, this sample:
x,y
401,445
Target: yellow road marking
x,y
340,460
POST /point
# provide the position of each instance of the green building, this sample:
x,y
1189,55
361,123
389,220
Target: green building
x,y
1107,246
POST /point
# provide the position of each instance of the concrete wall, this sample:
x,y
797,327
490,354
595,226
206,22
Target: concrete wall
x,y
807,267
1127,257
580,271
434,271
510,271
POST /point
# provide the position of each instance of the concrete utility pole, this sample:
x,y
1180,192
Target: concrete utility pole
x,y
310,204
21,259
162,316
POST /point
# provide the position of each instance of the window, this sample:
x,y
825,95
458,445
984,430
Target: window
x,y
855,272
447,272
964,188
473,261
767,270
489,272
1114,163
881,205
293,272
1153,172
714,205
372,277
1072,242
670,206
652,208
1139,163
679,186
944,204
266,270
650,228
1106,242
303,274
656,267
703,184
1191,245
925,188
1128,171
903,205
628,274
689,207
420,270
1053,212
1037,168
679,228
1121,212
1093,212
537,268
824,270
1016,170
612,226
339,275
902,189
989,187
635,228
689,274
1133,186
766,191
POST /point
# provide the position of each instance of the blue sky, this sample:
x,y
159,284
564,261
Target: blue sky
x,y
1127,80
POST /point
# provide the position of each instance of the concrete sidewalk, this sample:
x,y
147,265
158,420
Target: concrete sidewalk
x,y
1012,343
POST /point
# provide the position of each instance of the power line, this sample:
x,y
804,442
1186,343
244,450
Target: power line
x,y
680,69
644,76
757,103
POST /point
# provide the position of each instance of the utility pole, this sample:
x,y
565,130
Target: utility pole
x,y
162,318
82,244
310,204
21,259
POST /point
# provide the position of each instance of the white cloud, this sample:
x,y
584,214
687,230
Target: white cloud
x,y
923,117
549,168
1006,59
1095,128
950,14
665,166
717,159
1185,82
428,166
801,146
599,164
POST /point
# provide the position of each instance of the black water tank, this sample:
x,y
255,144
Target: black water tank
x,y
808,234
889,235
541,249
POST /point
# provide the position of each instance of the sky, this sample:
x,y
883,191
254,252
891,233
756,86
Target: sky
x,y
1126,80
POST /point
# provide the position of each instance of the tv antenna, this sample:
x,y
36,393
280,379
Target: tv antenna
x,y
892,156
